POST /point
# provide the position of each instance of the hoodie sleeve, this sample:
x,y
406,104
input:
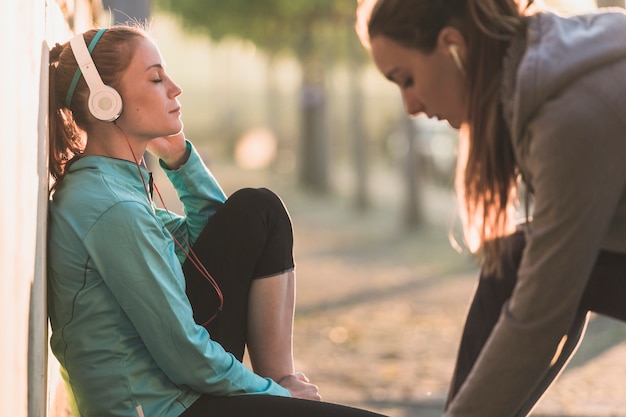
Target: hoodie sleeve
x,y
200,194
576,161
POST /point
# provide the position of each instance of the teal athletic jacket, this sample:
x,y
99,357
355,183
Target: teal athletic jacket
x,y
122,326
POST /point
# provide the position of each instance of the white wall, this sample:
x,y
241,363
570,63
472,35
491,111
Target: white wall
x,y
27,27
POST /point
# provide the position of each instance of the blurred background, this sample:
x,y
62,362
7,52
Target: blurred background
x,y
284,87
280,94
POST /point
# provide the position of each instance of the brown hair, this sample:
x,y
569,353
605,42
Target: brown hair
x,y
487,177
67,121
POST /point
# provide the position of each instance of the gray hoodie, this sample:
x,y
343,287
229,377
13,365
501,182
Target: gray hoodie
x,y
565,104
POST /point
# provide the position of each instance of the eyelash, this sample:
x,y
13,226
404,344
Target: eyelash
x,y
407,83
158,80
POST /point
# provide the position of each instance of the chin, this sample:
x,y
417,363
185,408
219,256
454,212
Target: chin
x,y
455,123
175,129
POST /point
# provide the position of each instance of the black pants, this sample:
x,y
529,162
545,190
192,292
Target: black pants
x,y
249,237
604,294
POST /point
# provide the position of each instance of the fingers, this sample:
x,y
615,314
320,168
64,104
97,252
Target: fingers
x,y
299,387
301,377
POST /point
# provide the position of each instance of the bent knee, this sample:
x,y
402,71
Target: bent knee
x,y
258,199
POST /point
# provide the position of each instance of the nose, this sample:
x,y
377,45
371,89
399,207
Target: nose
x,y
412,106
175,90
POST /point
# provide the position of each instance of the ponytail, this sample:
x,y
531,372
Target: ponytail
x,y
66,141
488,188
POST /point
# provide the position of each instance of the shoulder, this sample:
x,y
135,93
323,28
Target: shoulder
x,y
560,51
88,195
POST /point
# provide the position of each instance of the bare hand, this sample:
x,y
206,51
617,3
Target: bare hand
x,y
171,149
299,387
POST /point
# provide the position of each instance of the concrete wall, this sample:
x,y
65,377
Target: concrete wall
x,y
27,28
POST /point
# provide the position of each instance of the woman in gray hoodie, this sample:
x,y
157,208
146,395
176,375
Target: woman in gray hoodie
x,y
540,101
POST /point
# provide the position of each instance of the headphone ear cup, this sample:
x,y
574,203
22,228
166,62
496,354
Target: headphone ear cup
x,y
105,103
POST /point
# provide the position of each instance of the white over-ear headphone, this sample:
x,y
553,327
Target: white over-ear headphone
x,y
104,102
454,51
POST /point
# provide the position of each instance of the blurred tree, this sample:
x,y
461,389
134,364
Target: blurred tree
x,y
412,213
356,66
308,30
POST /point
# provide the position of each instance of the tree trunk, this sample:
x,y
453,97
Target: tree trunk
x,y
412,214
359,136
313,161
273,118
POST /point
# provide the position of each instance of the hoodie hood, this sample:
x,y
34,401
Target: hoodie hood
x,y
558,50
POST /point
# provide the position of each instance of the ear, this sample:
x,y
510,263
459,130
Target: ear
x,y
450,37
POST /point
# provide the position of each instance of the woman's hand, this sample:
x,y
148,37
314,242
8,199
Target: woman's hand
x,y
299,387
172,150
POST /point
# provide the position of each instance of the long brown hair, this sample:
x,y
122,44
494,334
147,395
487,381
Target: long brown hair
x,y
68,121
487,177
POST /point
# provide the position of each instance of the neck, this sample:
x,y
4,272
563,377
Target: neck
x,y
111,141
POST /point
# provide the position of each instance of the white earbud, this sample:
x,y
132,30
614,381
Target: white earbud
x,y
454,51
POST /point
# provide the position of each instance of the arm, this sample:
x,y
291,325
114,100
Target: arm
x,y
578,176
492,292
197,189
136,259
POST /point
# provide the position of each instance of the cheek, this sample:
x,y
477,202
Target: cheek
x,y
135,114
447,90
431,83
138,100
453,98
141,109
459,97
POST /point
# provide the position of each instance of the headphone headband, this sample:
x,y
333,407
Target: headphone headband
x,y
92,45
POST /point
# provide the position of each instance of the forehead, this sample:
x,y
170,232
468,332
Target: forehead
x,y
384,47
388,54
144,55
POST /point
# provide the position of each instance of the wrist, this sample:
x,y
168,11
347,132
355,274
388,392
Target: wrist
x,y
177,160
281,381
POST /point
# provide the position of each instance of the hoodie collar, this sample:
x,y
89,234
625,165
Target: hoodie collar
x,y
555,51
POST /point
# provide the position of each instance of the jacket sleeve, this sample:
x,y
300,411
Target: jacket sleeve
x,y
200,194
137,262
578,173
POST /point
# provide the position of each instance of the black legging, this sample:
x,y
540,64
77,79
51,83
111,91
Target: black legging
x,y
604,294
249,237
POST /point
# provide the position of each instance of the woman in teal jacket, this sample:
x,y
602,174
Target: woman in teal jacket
x,y
151,311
